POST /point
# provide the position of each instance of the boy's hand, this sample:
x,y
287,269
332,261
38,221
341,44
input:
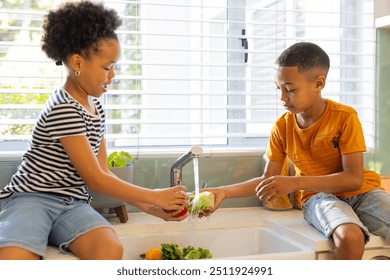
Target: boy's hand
x,y
273,187
219,196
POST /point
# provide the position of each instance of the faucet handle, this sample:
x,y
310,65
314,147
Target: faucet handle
x,y
196,150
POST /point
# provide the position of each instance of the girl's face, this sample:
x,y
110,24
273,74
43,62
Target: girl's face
x,y
299,92
97,71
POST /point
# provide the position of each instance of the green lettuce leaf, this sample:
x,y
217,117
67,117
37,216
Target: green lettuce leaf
x,y
170,251
205,200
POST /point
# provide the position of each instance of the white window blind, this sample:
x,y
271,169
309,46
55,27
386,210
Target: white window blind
x,y
193,72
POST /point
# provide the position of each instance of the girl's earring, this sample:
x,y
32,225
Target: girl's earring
x,y
77,73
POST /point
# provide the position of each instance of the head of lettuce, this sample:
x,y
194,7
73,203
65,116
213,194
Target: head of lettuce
x,y
204,202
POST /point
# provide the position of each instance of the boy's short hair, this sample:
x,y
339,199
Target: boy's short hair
x,y
306,56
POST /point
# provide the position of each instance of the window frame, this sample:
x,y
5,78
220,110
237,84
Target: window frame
x,y
240,42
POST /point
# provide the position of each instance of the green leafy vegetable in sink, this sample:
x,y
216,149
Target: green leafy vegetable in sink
x,y
171,251
190,253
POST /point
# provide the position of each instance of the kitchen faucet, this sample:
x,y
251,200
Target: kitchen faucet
x,y
176,169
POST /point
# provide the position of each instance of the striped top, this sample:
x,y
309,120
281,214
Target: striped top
x,y
45,166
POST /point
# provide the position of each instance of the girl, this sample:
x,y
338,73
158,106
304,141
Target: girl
x,y
47,199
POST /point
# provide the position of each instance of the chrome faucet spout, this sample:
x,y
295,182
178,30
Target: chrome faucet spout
x,y
176,169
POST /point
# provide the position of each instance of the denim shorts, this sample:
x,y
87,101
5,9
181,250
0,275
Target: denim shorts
x,y
370,211
33,220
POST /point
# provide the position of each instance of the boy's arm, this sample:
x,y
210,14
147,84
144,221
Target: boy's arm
x,y
246,188
350,179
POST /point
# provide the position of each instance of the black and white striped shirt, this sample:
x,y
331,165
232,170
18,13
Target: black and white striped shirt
x,y
45,166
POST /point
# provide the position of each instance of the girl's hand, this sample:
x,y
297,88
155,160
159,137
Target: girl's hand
x,y
167,216
174,198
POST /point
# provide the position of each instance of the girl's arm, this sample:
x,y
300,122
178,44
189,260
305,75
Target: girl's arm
x,y
93,171
102,156
145,207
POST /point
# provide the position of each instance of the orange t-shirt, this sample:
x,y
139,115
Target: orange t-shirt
x,y
317,150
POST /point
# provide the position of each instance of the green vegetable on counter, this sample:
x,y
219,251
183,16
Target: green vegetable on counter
x,y
171,251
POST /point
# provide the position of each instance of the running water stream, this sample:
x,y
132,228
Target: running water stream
x,y
196,182
193,214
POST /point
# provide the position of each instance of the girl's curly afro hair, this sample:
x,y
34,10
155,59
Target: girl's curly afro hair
x,y
76,27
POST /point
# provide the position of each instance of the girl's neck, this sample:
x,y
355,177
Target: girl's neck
x,y
80,96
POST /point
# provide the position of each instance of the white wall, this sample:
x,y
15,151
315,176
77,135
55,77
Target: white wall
x,y
381,8
382,13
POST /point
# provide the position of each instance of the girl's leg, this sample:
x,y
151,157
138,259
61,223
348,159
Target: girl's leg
x,y
25,222
17,253
97,244
86,233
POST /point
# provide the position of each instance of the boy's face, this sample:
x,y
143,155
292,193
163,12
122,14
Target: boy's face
x,y
299,91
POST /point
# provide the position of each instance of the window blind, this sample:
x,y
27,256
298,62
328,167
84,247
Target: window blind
x,y
193,72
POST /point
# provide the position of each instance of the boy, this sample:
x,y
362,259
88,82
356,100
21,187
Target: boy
x,y
324,141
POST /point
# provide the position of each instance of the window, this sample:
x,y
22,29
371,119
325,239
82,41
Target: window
x,y
193,72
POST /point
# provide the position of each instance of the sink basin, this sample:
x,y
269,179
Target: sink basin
x,y
237,243
236,234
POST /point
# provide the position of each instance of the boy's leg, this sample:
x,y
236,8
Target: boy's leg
x,y
349,242
337,220
373,209
86,233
